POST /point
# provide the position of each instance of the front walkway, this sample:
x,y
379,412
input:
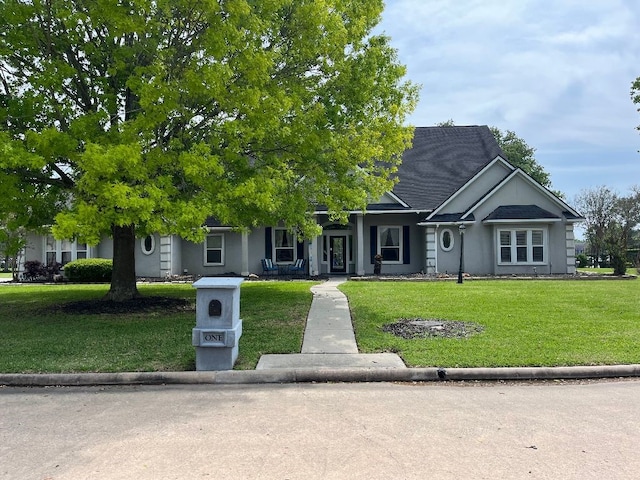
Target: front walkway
x,y
329,340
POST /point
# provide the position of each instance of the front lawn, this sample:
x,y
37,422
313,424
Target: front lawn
x,y
38,337
526,323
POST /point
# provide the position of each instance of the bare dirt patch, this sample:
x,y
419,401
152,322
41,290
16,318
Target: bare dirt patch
x,y
410,328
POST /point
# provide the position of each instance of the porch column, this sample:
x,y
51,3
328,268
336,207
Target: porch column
x,y
431,260
245,254
571,249
360,244
166,256
314,264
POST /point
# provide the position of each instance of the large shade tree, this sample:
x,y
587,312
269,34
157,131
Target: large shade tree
x,y
137,116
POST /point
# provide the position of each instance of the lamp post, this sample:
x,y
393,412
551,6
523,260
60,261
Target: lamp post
x,y
461,229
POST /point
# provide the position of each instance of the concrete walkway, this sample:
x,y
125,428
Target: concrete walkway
x,y
329,340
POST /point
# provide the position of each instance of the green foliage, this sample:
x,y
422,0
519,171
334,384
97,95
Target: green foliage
x,y
612,222
583,260
89,270
154,115
159,114
521,155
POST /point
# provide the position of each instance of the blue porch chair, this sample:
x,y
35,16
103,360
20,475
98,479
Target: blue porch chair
x,y
268,267
298,267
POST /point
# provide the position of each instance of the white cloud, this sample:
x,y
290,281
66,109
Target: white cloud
x,y
557,73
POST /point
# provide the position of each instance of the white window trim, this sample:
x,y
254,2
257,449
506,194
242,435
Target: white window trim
x,y
400,241
514,246
275,248
222,251
153,245
452,242
58,251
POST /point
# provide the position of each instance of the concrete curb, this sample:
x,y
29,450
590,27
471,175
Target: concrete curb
x,y
319,375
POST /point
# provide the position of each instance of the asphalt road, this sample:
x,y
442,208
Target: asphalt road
x,y
552,430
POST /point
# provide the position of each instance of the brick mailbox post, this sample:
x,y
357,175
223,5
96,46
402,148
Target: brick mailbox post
x,y
218,324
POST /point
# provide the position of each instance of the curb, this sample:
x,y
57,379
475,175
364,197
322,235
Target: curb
x,y
319,375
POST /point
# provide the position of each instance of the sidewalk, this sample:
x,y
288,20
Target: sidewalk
x,y
329,340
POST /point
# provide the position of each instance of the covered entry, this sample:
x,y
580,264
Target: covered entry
x,y
337,248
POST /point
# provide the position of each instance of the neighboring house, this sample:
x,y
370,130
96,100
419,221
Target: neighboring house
x,y
451,177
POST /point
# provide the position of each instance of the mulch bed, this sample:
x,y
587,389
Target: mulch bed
x,y
411,328
137,305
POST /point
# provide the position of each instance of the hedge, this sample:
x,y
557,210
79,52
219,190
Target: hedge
x,y
89,270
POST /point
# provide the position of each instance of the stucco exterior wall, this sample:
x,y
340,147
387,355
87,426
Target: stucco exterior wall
x,y
416,242
193,256
35,248
520,191
477,188
148,265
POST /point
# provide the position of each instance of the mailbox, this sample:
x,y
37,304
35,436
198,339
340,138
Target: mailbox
x,y
218,324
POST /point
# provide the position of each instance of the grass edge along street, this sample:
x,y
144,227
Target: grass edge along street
x,y
524,324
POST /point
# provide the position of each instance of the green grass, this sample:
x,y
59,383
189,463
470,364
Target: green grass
x,y
527,323
38,339
5,275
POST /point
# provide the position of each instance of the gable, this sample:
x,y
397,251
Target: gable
x,y
521,191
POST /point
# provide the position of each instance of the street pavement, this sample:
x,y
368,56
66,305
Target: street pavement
x,y
463,430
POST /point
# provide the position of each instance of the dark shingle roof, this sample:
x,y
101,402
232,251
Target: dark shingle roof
x,y
441,161
449,218
520,212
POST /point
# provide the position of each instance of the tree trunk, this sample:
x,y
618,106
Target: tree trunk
x,y
123,276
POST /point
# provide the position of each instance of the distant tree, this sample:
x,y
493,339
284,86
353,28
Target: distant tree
x,y
521,155
635,95
134,117
518,153
611,223
12,243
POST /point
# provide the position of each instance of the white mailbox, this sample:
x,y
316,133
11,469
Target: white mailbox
x,y
218,324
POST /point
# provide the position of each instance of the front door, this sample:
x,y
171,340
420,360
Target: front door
x,y
337,252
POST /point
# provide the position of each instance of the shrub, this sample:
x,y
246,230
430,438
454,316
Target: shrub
x,y
34,270
89,270
583,260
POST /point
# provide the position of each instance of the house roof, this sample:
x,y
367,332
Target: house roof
x,y
520,212
441,161
448,218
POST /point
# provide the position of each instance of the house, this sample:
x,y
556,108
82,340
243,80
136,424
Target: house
x,y
454,181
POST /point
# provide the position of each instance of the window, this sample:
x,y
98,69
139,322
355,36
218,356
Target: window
x,y
63,251
214,249
521,246
81,250
148,244
446,240
390,244
284,245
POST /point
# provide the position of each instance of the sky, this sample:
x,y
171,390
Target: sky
x,y
556,72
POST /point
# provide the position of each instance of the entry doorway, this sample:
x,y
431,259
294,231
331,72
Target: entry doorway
x,y
338,254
